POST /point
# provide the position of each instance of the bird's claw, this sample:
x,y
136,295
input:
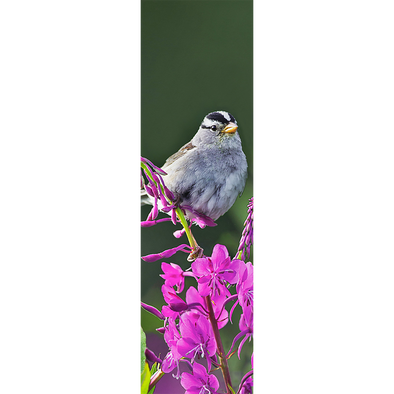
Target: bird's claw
x,y
195,254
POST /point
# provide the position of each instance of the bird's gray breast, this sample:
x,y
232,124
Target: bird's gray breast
x,y
209,180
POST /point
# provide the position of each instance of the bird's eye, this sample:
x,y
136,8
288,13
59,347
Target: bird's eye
x,y
213,128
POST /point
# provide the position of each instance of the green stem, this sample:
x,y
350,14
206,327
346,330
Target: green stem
x,y
189,234
147,169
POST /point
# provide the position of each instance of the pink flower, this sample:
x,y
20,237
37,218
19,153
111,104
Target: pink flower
x,y
173,275
215,271
200,381
175,302
171,336
197,337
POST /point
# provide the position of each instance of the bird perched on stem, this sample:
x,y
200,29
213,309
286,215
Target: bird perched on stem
x,y
203,179
209,172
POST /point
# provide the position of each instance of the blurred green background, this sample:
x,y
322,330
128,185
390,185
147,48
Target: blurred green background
x,y
196,57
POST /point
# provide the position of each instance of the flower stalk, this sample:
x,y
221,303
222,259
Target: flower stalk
x,y
190,238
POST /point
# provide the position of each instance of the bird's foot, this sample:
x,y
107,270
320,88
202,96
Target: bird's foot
x,y
195,254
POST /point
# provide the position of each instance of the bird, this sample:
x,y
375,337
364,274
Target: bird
x,y
209,172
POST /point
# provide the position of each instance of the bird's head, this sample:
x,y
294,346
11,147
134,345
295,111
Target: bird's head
x,y
217,127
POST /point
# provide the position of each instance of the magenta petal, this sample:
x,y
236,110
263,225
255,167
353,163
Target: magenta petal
x,y
184,346
231,274
152,310
155,178
213,382
200,219
241,345
209,222
166,253
173,216
203,280
153,212
169,193
159,170
200,266
173,275
200,371
168,312
163,201
188,381
193,296
203,288
173,300
169,363
187,326
178,305
241,244
179,233
149,216
149,190
153,188
219,253
170,252
152,356
151,257
150,223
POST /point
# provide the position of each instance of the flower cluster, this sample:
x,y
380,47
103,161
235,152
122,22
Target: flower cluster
x,y
191,325
247,234
194,317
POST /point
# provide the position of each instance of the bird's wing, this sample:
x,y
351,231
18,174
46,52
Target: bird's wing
x,y
185,148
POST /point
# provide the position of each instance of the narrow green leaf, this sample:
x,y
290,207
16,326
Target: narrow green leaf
x,y
152,371
145,379
143,347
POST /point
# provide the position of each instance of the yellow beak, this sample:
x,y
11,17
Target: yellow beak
x,y
231,128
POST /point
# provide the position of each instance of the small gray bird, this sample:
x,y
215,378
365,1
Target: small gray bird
x,y
210,171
